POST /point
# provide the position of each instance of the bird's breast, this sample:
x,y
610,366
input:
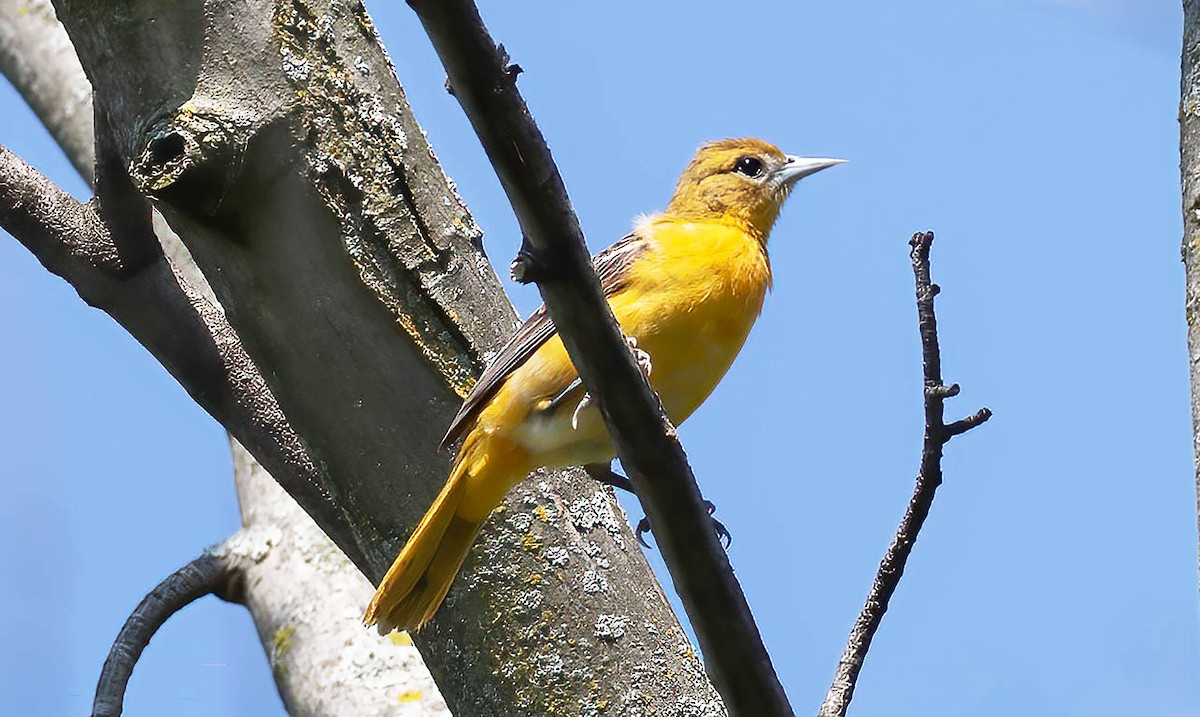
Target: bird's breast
x,y
689,302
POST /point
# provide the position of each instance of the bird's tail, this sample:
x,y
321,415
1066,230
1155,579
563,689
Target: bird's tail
x,y
422,573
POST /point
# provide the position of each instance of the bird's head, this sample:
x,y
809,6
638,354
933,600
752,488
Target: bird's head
x,y
741,181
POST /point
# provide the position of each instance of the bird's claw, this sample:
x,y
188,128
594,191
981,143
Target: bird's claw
x,y
642,357
643,361
719,528
583,403
642,528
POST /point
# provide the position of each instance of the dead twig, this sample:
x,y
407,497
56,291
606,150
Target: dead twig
x,y
937,434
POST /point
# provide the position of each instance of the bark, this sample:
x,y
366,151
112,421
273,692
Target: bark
x,y
37,58
318,662
1189,151
306,599
554,254
348,307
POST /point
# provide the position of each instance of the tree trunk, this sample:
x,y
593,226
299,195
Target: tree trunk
x,y
303,593
1189,165
306,599
344,307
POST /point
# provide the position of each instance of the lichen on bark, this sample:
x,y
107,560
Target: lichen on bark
x,y
349,304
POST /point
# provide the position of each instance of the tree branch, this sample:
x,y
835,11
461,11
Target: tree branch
x,y
307,599
937,434
556,255
168,306
308,196
112,234
65,235
175,321
37,57
207,574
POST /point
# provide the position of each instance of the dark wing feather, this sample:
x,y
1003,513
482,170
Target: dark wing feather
x,y
612,266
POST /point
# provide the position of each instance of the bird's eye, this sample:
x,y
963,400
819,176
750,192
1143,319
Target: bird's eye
x,y
749,166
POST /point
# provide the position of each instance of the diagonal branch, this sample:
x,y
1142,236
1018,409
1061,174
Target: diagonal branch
x,y
309,198
556,256
172,319
937,434
111,234
64,234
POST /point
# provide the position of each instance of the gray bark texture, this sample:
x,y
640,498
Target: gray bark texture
x,y
37,58
303,593
554,254
1189,167
344,309
306,599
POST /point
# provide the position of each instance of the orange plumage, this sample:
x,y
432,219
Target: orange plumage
x,y
687,285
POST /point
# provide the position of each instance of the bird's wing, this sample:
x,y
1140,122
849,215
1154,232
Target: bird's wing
x,y
612,267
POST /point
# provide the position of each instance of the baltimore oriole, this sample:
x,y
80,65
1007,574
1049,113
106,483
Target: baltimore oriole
x,y
685,285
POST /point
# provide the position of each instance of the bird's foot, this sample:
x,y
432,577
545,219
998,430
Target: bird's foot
x,y
643,361
603,473
719,528
583,403
643,358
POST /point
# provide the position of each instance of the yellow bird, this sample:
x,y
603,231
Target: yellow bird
x,y
686,286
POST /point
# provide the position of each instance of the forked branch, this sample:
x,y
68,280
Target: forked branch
x,y
937,434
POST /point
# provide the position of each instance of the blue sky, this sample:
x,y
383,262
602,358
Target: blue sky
x,y
1057,574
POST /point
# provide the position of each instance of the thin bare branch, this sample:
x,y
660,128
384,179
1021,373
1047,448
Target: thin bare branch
x,y
555,255
207,574
965,424
372,266
937,434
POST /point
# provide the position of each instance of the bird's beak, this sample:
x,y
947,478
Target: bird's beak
x,y
796,168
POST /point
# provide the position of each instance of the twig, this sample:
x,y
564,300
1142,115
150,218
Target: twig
x,y
206,574
937,434
556,256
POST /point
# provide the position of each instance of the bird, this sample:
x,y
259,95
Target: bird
x,y
686,286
